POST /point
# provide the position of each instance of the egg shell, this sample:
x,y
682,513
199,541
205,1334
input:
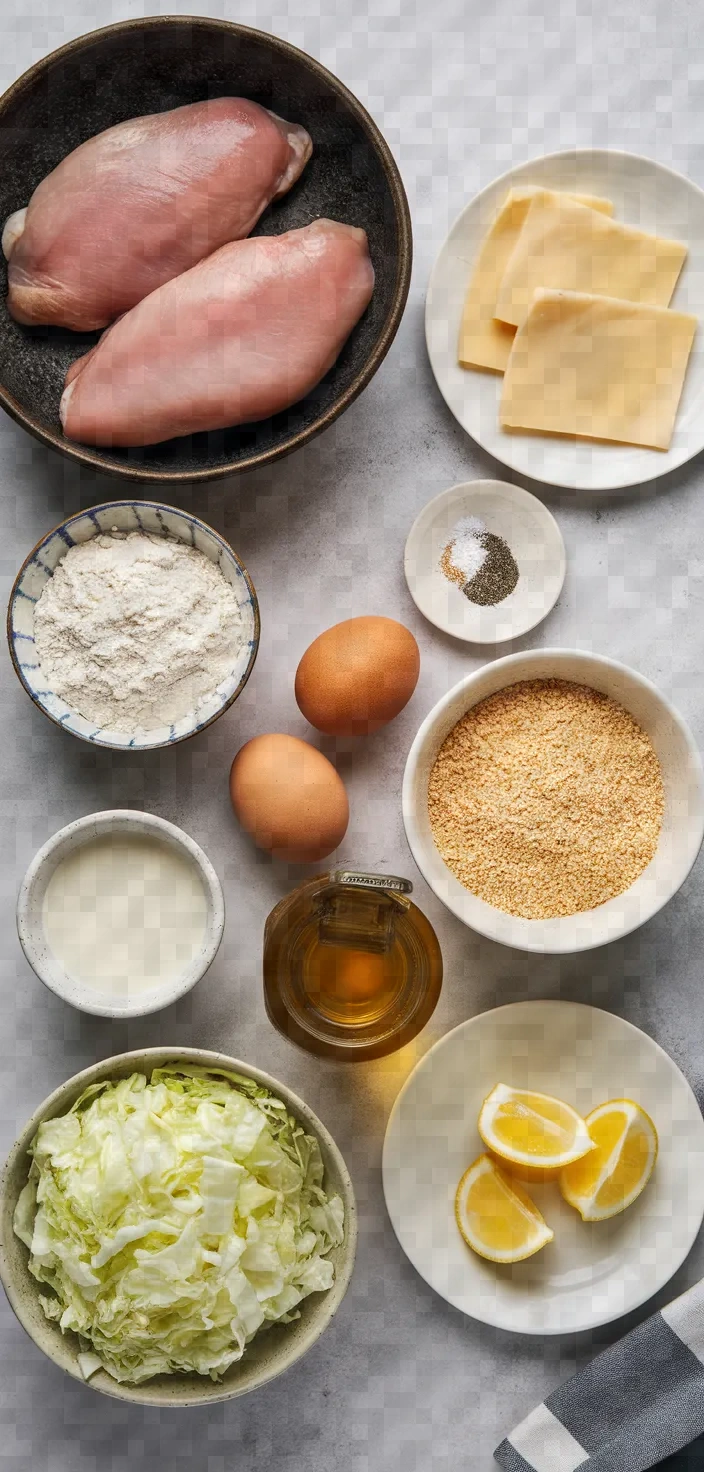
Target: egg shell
x,y
357,676
289,798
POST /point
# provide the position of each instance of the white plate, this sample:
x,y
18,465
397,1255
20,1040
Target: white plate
x,y
534,538
644,194
592,1272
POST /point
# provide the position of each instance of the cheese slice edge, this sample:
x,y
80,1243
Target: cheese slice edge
x,y
564,246
483,341
599,368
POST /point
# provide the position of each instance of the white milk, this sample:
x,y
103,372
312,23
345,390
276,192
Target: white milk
x,y
124,914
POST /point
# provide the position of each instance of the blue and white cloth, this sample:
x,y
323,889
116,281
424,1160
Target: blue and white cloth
x,y
633,1405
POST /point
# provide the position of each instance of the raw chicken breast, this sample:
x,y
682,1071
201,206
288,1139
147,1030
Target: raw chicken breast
x,y
245,333
135,206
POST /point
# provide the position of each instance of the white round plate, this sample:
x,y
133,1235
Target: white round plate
x,y
644,194
534,538
592,1272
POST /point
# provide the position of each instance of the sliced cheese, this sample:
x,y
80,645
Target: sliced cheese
x,y
597,367
565,246
484,342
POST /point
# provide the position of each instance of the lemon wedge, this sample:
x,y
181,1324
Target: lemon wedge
x,y
609,1179
528,1129
536,1175
496,1217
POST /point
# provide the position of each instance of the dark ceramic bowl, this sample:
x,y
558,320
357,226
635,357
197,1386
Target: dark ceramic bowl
x,y
144,66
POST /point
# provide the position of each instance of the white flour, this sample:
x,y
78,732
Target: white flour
x,y
134,630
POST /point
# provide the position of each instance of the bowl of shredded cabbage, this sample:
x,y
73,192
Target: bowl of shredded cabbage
x,y
176,1227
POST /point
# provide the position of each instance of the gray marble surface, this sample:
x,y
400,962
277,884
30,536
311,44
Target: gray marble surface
x,y
462,89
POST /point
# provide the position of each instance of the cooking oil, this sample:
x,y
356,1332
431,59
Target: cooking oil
x,y
352,968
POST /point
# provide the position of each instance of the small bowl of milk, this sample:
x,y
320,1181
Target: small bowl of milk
x,y
120,913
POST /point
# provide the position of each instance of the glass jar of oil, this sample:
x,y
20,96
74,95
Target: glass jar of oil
x,y
352,968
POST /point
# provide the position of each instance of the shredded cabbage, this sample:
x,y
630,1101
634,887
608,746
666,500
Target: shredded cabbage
x,y
175,1218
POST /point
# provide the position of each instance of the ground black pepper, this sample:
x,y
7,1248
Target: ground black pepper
x,y
498,574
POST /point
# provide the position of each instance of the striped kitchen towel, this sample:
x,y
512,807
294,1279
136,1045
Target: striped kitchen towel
x,y
633,1405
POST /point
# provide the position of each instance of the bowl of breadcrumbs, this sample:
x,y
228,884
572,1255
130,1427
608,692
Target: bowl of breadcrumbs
x,y
554,800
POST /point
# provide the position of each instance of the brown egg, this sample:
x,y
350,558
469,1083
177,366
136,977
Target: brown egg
x,y
357,676
289,798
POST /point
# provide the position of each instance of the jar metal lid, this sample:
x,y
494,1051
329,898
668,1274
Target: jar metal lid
x,y
359,879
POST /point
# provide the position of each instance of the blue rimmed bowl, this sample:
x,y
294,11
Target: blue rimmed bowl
x,y
127,516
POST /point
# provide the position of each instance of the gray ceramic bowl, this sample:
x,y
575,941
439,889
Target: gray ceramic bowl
x,y
271,1352
151,65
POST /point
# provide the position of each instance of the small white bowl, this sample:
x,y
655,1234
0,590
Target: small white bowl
x,y
30,923
683,822
127,516
534,538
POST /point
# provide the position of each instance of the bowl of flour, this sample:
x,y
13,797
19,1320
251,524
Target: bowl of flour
x,y
133,625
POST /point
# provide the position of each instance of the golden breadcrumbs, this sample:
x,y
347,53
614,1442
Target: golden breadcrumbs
x,y
546,799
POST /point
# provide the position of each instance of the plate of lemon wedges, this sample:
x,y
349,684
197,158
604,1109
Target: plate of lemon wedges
x,y
543,1167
